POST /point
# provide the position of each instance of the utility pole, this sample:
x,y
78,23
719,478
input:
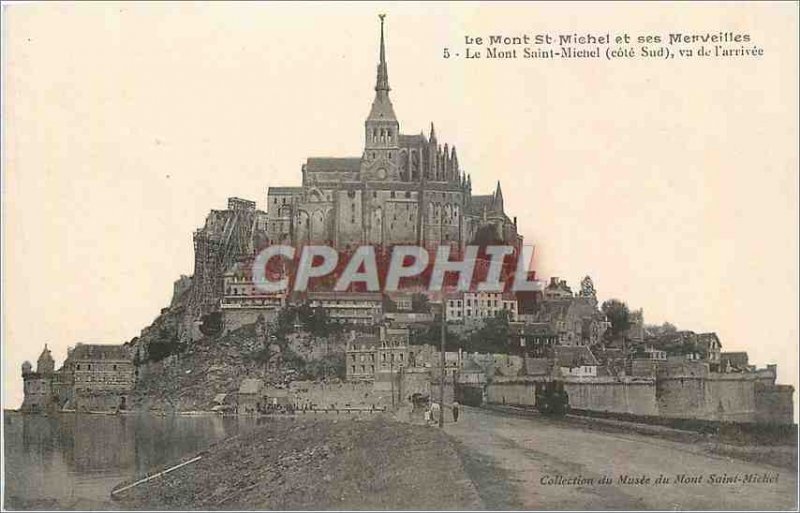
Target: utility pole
x,y
391,375
400,386
441,360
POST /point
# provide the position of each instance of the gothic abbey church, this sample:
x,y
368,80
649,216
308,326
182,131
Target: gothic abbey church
x,y
403,189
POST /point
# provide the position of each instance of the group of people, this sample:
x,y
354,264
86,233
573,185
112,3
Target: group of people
x,y
434,410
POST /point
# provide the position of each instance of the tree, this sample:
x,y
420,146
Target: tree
x,y
619,316
432,335
493,336
211,324
420,303
668,327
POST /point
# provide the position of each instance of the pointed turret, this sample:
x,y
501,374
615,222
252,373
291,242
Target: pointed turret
x,y
45,363
446,162
439,164
498,199
454,165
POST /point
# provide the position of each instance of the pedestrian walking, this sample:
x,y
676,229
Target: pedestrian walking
x,y
427,417
455,411
435,412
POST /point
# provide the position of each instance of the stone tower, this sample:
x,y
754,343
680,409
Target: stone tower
x,y
45,364
381,129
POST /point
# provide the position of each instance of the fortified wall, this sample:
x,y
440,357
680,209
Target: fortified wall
x,y
685,390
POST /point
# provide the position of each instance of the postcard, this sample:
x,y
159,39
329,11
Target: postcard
x,y
400,256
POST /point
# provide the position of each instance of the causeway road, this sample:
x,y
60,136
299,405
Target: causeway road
x,y
538,463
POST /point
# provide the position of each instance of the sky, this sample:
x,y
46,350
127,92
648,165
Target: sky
x,y
674,184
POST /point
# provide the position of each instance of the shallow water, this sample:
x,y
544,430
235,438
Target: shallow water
x,y
72,461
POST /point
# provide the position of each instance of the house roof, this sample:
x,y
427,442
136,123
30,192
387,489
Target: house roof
x,y
366,341
574,356
706,340
100,352
250,386
324,164
220,398
549,310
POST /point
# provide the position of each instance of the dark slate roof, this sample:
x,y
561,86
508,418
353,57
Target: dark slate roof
x,y
549,310
365,341
100,352
479,202
46,355
317,164
284,190
382,109
574,356
412,140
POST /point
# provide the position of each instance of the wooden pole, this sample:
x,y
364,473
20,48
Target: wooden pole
x,y
148,478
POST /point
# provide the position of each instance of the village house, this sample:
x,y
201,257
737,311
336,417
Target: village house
x,y
557,289
471,307
358,308
360,357
576,320
575,361
389,351
533,339
704,347
402,301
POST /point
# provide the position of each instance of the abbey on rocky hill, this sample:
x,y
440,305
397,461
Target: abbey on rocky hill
x,y
403,189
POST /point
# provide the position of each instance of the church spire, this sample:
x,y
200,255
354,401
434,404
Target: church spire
x,y
382,84
382,106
